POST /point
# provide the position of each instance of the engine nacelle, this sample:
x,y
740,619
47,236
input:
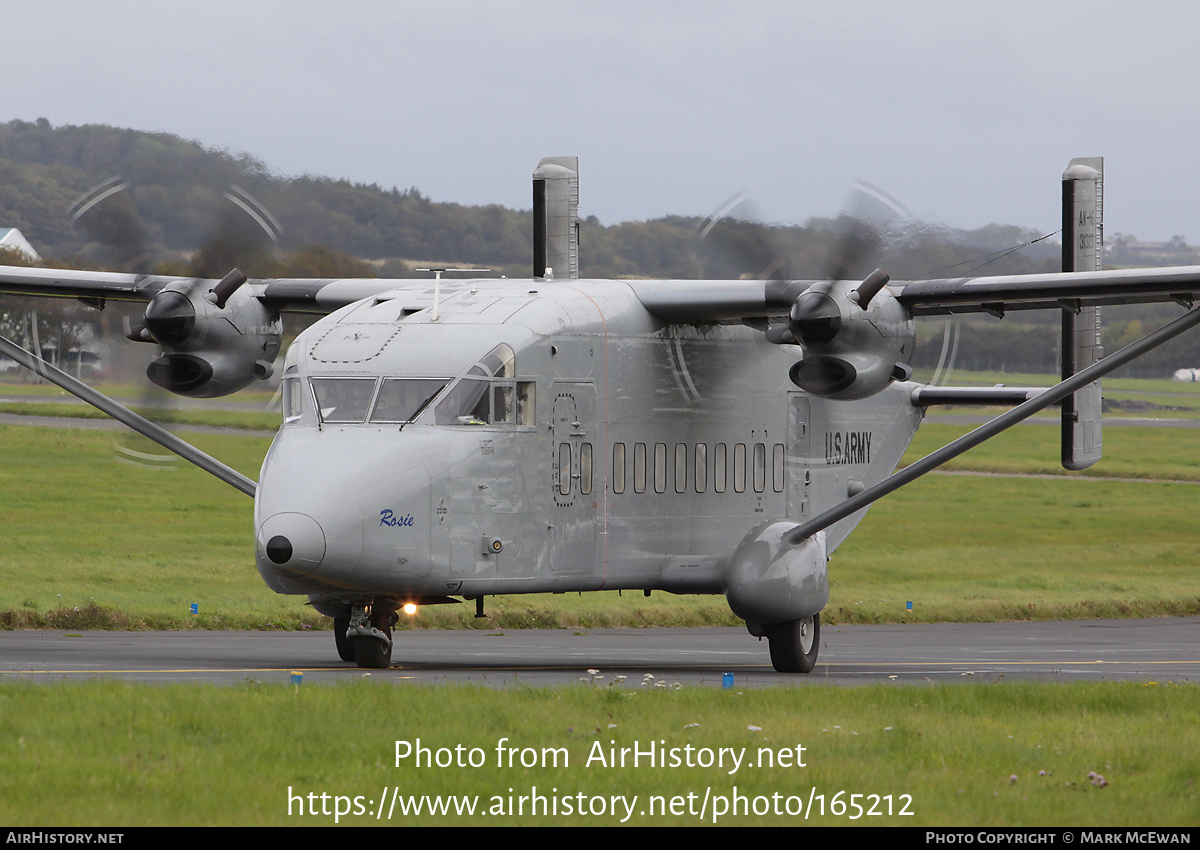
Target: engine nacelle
x,y
851,350
770,581
212,345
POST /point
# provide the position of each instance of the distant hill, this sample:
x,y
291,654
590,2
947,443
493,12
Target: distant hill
x,y
177,185
338,228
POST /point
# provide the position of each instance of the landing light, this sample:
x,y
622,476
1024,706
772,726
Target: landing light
x,y
410,608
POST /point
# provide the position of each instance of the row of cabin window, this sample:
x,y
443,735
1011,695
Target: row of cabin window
x,y
661,474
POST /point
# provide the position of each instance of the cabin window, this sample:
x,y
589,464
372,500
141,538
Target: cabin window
x,y
701,467
344,399
760,467
720,467
680,468
401,399
660,467
778,468
639,467
619,468
564,469
585,469
739,468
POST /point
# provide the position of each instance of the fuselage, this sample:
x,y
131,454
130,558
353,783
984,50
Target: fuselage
x,y
546,436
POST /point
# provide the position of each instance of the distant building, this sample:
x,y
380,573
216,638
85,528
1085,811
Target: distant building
x,y
11,238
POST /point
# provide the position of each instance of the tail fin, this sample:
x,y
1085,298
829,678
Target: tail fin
x,y
1083,248
556,217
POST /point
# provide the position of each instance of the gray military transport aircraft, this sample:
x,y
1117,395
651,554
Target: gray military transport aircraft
x,y
478,437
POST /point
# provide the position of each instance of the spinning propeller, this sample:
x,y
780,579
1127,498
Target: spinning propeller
x,y
855,336
214,339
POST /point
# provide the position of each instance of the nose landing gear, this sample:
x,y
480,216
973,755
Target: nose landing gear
x,y
366,636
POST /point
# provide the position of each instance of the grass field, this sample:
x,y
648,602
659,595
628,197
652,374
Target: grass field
x,y
90,542
1010,754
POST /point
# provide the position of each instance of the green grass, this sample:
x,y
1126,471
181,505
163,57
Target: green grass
x,y
981,549
1167,454
12,386
1120,386
131,547
211,418
41,399
87,542
1001,754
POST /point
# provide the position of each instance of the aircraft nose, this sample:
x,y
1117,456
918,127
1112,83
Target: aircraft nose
x,y
293,543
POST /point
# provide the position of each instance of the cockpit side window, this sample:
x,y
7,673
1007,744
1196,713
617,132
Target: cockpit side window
x,y
465,404
293,400
489,394
500,362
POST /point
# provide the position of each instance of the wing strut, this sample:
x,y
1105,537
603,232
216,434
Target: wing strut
x,y
123,414
985,432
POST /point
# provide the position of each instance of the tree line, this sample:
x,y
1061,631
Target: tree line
x,y
174,219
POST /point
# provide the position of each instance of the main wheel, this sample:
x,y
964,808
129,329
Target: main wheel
x,y
345,646
794,644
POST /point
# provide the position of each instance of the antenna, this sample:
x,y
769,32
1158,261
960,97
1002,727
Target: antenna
x,y
437,285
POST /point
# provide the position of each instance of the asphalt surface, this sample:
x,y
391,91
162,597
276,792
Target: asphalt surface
x,y
1160,650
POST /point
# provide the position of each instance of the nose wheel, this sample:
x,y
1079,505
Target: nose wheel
x,y
794,644
367,638
345,646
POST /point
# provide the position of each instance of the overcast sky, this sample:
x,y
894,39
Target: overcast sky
x,y
967,111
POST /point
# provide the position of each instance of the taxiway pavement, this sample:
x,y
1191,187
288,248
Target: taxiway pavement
x,y
1162,650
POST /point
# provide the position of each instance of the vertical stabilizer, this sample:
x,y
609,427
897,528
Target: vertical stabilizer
x,y
1083,249
556,217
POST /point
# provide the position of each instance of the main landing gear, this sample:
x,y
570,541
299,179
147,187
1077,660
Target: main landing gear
x,y
794,644
365,637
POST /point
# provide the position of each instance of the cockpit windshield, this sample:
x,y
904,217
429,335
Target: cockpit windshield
x,y
488,394
401,399
343,399
348,400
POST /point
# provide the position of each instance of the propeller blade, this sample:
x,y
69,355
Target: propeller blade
x,y
870,287
228,285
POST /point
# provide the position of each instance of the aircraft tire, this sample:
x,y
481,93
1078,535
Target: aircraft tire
x,y
794,644
372,653
345,646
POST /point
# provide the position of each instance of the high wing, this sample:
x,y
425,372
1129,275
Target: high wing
x,y
676,301
287,295
715,301
1044,291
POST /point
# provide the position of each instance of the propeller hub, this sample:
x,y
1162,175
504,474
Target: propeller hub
x,y
815,319
170,318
